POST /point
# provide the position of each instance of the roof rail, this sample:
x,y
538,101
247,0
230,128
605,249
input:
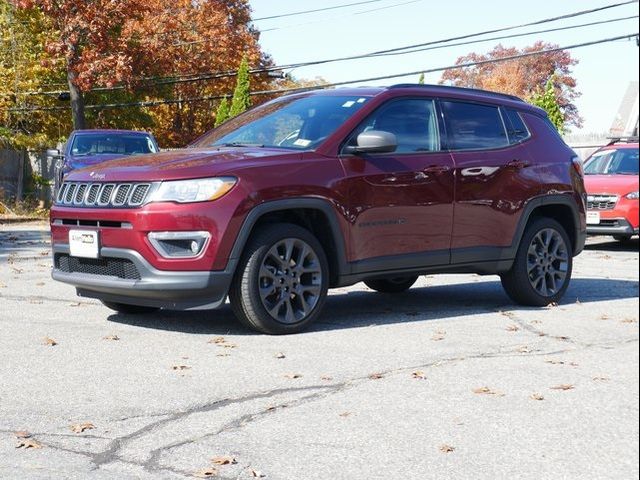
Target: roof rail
x,y
448,88
626,139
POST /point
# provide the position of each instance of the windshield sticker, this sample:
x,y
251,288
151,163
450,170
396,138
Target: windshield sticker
x,y
362,100
348,104
301,142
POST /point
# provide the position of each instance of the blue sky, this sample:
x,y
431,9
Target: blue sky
x,y
603,72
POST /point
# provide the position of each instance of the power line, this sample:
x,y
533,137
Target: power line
x,y
336,84
394,51
324,9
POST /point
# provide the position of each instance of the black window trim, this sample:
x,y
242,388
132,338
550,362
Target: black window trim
x,y
506,116
440,128
484,104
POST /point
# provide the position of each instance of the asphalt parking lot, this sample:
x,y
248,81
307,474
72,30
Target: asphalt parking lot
x,y
449,380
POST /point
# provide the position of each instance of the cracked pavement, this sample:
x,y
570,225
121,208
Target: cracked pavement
x,y
383,386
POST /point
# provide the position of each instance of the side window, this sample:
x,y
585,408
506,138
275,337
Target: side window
x,y
413,121
474,127
516,128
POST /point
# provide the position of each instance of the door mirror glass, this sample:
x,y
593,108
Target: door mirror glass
x,y
53,153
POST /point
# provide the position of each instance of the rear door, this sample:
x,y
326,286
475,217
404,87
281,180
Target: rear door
x,y
402,202
494,178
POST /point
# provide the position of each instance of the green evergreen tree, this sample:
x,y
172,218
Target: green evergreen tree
x,y
222,114
241,99
421,79
548,101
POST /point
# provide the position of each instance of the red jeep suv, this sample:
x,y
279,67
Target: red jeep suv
x,y
326,189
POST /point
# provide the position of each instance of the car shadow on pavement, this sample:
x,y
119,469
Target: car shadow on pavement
x,y
608,244
361,308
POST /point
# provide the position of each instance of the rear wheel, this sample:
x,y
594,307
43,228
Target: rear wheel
x,y
132,309
541,271
392,285
281,283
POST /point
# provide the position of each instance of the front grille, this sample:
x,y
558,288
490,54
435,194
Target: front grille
x,y
602,202
106,267
110,195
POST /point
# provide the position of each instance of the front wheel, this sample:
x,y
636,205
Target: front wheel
x,y
541,271
392,285
281,283
132,309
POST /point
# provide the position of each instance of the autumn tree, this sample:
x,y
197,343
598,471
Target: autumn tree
x,y
523,76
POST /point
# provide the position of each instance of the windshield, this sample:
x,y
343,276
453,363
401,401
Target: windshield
x,y
298,123
111,144
623,161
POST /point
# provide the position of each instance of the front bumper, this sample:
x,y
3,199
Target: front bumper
x,y
613,226
138,282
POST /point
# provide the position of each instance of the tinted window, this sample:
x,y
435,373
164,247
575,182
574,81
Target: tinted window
x,y
622,161
472,126
516,129
412,121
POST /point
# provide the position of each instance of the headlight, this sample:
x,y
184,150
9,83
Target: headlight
x,y
190,191
632,196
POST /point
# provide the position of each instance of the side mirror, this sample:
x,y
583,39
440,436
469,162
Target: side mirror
x,y
375,141
53,153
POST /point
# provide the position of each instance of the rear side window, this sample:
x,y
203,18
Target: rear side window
x,y
474,127
516,128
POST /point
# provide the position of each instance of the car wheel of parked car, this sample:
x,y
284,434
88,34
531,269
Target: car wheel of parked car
x,y
622,238
281,283
392,285
541,271
133,309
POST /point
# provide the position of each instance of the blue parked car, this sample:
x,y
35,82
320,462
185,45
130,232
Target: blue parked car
x,y
90,147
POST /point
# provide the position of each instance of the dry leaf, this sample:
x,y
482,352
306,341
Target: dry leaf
x,y
114,338
180,367
280,355
49,342
28,443
629,320
487,391
81,427
74,304
44,253
513,328
224,460
376,376
206,473
537,396
507,314
564,386
447,448
40,284
2,285
256,474
293,376
438,335
223,355
17,270
217,340
35,301
22,434
524,349
419,375
345,414
601,379
326,378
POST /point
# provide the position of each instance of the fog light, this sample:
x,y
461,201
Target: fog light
x,y
179,244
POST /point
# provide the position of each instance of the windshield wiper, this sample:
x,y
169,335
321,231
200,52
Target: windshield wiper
x,y
241,145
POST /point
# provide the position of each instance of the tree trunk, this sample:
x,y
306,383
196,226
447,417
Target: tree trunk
x,y
77,102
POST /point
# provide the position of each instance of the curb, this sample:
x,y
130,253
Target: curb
x,y
11,220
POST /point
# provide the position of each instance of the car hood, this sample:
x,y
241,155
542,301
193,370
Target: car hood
x,y
611,184
178,164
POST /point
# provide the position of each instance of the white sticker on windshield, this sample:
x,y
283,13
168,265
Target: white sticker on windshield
x,y
348,104
301,142
362,100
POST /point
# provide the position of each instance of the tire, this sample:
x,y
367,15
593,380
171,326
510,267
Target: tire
x,y
130,309
392,285
541,271
281,283
622,238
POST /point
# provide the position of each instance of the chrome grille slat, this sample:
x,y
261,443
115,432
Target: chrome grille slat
x,y
103,195
602,202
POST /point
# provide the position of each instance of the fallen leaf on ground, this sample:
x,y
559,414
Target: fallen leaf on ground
x,y
564,386
447,448
419,375
81,427
17,270
44,253
22,434
537,396
513,328
345,414
206,473
629,320
224,460
257,474
487,391
114,338
2,285
326,378
293,376
40,284
280,355
28,443
601,379
217,340
74,304
438,335
524,349
181,367
223,355
507,314
35,301
49,342
376,376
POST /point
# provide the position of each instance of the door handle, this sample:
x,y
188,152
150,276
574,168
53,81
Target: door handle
x,y
436,169
515,163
